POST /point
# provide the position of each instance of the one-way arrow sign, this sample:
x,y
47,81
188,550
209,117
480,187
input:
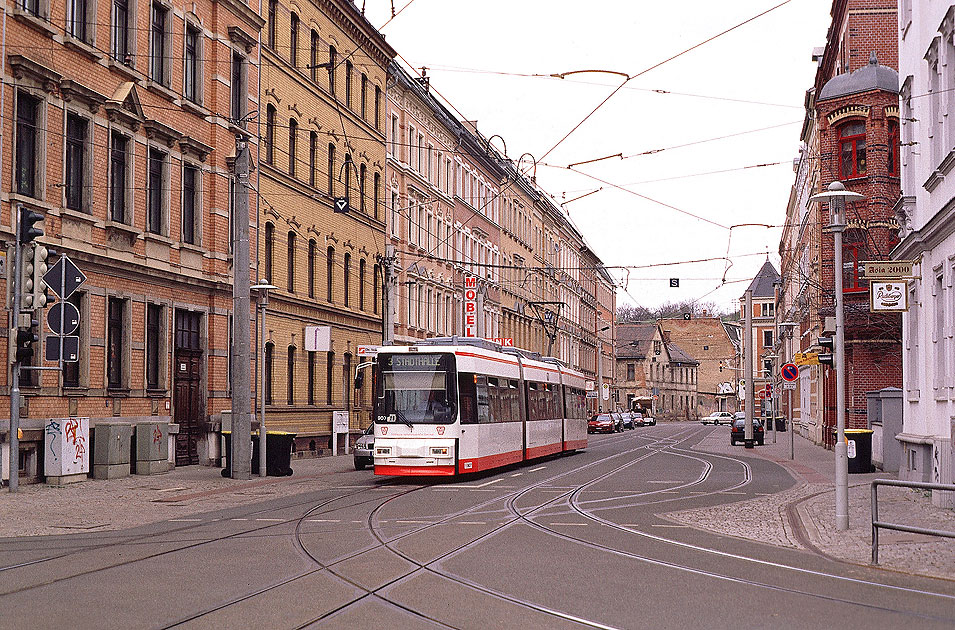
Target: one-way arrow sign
x,y
64,277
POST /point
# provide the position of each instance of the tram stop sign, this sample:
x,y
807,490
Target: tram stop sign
x,y
790,372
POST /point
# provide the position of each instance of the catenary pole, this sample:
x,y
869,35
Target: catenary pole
x,y
241,450
749,385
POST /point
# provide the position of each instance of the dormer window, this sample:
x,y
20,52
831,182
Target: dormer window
x,y
852,150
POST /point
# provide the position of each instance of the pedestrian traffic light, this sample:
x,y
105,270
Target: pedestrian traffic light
x,y
28,228
40,296
826,358
26,337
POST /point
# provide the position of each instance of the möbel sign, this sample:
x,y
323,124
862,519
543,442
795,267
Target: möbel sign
x,y
470,306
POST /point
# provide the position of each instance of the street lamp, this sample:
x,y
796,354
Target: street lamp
x,y
600,368
837,195
263,287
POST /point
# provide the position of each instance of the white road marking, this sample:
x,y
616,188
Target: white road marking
x,y
482,485
270,520
660,525
411,522
471,523
185,520
324,520
664,482
577,524
238,519
517,474
743,493
536,469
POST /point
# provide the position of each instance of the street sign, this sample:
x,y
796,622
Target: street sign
x,y
789,384
592,394
63,318
71,349
887,269
64,277
806,358
368,351
318,338
341,204
888,297
790,372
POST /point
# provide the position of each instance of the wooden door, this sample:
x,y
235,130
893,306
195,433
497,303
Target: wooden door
x,y
188,400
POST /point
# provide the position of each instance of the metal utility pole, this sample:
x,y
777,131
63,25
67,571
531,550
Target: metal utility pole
x,y
263,288
748,370
390,302
241,448
837,195
14,439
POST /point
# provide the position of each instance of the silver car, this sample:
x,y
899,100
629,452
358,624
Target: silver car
x,y
365,449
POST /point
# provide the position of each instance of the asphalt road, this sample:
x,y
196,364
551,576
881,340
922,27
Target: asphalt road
x,y
579,541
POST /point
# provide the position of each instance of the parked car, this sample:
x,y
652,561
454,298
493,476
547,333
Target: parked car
x,y
365,449
602,423
618,417
738,430
628,422
718,418
638,419
649,421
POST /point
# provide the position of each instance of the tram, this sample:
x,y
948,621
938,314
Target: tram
x,y
455,405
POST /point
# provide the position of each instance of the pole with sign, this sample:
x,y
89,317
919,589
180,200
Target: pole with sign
x,y
470,306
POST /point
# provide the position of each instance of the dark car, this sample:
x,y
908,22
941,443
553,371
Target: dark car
x,y
365,449
602,423
738,430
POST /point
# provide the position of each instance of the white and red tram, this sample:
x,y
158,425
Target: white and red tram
x,y
457,405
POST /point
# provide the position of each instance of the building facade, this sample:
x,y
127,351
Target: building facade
x,y
119,126
927,229
762,337
707,340
651,366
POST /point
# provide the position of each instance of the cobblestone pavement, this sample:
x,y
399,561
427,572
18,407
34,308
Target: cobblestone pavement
x,y
804,516
800,517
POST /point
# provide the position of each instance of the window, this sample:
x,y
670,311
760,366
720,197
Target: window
x,y
329,376
330,267
269,251
77,130
115,331
331,170
30,6
348,165
361,284
119,46
313,59
364,96
312,157
158,57
631,371
293,41
376,195
190,204
154,314
191,76
852,150
311,268
346,276
155,191
292,145
851,280
395,138
310,392
270,135
374,290
348,72
118,164
332,63
269,364
893,152
290,375
767,310
239,91
377,107
273,5
767,339
28,145
361,188
77,19
291,262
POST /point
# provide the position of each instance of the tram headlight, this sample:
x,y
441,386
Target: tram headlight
x,y
439,451
383,450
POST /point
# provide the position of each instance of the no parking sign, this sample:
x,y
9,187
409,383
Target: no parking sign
x,y
789,372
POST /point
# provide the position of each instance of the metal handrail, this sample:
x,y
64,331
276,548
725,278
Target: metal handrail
x,y
876,523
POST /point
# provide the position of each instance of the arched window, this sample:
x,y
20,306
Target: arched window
x,y
348,73
331,266
331,170
311,268
292,142
374,290
894,148
290,375
312,157
376,199
269,356
349,165
361,187
361,284
332,62
269,249
852,150
291,262
270,135
346,271
293,40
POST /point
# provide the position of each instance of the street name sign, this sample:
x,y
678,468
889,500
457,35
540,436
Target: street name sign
x,y
806,358
789,384
887,269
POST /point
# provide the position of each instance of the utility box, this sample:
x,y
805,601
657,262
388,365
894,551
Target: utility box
x,y
152,448
66,450
111,442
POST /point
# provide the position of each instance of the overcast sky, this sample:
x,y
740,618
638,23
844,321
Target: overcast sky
x,y
748,84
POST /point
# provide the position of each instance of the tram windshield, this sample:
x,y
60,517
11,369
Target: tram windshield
x,y
416,388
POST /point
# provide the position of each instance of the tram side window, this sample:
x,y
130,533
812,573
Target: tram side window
x,y
514,399
468,396
494,400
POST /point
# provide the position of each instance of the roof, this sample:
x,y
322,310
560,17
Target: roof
x,y
762,285
867,78
633,340
677,355
733,331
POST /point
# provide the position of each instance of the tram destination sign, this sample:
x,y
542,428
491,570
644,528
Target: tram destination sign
x,y
888,269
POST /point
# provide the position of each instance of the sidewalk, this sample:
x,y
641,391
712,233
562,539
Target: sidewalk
x,y
804,516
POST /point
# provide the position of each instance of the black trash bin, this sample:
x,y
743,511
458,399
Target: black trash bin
x,y
780,423
859,443
227,468
278,453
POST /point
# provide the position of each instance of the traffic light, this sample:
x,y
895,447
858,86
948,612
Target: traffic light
x,y
28,229
827,357
40,267
26,278
25,339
